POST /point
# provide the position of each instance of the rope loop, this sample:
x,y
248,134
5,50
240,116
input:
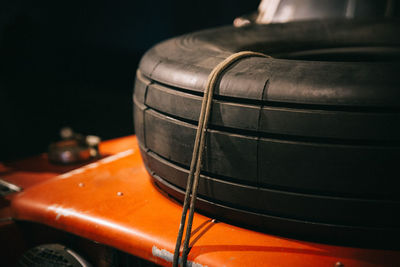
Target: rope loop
x,y
197,155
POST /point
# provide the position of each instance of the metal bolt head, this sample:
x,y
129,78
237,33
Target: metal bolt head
x,y
81,184
66,133
92,140
339,264
120,194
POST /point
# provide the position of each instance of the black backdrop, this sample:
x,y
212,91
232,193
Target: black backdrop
x,y
72,63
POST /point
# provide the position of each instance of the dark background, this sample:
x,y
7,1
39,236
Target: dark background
x,y
72,63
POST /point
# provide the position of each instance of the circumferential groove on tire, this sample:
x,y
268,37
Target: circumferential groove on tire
x,y
310,140
295,122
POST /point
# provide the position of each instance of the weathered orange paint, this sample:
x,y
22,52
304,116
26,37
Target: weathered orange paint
x,y
33,170
114,202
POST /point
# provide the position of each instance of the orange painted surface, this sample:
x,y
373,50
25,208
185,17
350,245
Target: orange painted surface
x,y
33,170
113,201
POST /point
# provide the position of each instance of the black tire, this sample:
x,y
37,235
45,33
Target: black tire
x,y
297,137
51,255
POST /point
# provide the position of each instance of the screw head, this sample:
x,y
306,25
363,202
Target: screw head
x,y
81,184
120,194
66,133
92,140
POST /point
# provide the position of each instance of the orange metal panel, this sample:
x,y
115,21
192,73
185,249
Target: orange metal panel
x,y
33,170
113,201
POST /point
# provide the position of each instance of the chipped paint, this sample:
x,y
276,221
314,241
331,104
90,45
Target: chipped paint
x,y
117,156
98,163
77,171
95,221
168,256
92,165
60,211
